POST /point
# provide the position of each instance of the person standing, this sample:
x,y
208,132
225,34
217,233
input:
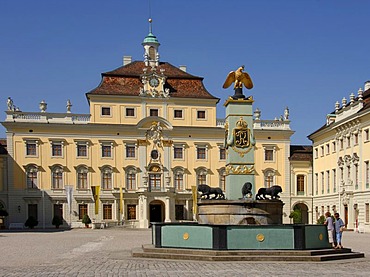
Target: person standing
x,y
330,226
339,227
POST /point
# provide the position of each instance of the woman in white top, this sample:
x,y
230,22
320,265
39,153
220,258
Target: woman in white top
x,y
330,225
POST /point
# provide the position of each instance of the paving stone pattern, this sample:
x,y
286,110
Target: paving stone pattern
x,y
107,252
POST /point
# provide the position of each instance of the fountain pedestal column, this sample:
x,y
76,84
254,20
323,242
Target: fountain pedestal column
x,y
239,143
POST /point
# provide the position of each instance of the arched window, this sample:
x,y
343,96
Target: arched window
x,y
178,178
107,173
269,175
155,179
82,181
131,178
31,176
152,53
222,179
201,176
300,184
57,177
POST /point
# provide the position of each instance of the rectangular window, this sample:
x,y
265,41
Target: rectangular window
x,y
201,153
367,174
327,149
201,114
366,134
348,142
130,112
81,150
322,150
178,152
322,183
367,213
107,180
222,154
82,180
131,212
130,151
317,183
300,184
355,137
31,148
56,149
131,181
179,182
341,144
328,181
105,111
177,114
57,176
202,179
32,179
269,155
106,151
334,180
316,153
155,182
153,112
82,210
107,211
334,146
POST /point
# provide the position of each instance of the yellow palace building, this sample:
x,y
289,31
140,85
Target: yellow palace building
x,y
151,137
341,155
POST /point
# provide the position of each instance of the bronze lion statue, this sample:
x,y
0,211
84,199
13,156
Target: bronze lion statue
x,y
273,191
207,191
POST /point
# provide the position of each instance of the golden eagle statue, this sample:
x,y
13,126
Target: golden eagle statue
x,y
240,78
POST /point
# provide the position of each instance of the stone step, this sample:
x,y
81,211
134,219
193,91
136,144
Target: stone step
x,y
252,255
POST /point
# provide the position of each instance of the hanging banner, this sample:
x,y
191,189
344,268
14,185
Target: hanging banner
x,y
96,192
195,201
121,201
69,194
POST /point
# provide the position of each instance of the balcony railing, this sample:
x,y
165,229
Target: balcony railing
x,y
66,118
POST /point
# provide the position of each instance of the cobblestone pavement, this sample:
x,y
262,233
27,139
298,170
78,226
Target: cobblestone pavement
x,y
107,252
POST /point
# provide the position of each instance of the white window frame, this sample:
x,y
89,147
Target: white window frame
x,y
57,143
29,142
106,115
85,170
272,148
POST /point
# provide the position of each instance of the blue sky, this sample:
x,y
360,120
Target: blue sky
x,y
302,54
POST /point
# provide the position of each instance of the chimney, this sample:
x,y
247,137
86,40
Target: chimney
x,y
183,67
127,60
367,85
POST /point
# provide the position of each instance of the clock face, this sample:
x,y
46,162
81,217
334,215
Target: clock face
x,y
154,82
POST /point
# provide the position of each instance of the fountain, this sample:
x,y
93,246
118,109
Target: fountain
x,y
239,222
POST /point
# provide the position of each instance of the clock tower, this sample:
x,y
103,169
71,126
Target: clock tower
x,y
152,78
151,45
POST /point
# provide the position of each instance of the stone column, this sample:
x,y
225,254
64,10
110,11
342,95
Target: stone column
x,y
167,215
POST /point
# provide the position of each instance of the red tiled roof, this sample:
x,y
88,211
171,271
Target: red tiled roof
x,y
3,144
125,80
300,153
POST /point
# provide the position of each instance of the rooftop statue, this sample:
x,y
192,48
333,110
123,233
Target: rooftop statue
x,y
240,78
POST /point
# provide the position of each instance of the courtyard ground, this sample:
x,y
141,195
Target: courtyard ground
x,y
107,252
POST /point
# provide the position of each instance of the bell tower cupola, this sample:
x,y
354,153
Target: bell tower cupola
x,y
151,45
